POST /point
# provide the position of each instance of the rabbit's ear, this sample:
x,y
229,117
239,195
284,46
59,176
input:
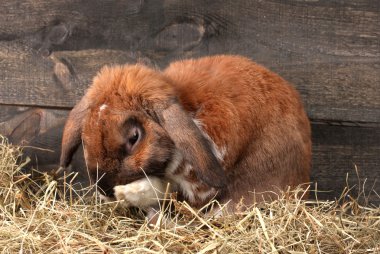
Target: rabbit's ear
x,y
195,148
71,138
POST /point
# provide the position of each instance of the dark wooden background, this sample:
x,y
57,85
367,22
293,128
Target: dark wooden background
x,y
329,49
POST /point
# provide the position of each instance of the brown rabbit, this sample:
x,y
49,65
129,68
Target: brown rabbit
x,y
218,127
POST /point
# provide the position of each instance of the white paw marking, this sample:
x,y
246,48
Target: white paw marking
x,y
142,193
185,186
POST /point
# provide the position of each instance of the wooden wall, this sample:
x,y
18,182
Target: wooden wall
x,y
329,49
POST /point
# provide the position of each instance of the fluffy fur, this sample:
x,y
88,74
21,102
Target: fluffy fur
x,y
241,130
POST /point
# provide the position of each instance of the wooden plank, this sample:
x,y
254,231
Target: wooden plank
x,y
61,79
20,19
340,150
336,149
57,80
39,131
342,91
23,124
330,50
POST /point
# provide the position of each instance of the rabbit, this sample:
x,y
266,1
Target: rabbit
x,y
219,127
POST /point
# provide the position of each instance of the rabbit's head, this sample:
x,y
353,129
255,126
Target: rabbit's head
x,y
132,125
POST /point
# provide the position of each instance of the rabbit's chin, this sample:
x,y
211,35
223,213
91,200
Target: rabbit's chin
x,y
148,191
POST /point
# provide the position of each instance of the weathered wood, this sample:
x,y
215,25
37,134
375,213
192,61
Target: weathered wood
x,y
58,80
39,131
23,124
336,150
330,50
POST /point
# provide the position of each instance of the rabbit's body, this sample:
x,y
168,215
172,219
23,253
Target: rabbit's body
x,y
253,117
218,126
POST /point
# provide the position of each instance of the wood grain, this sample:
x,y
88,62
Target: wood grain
x,y
39,132
344,151
329,50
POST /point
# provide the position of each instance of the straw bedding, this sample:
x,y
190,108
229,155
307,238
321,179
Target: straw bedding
x,y
41,214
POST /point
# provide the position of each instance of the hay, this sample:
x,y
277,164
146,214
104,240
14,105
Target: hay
x,y
43,215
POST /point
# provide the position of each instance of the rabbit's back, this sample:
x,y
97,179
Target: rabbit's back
x,y
255,119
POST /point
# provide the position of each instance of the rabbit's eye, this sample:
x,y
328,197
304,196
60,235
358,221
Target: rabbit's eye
x,y
133,138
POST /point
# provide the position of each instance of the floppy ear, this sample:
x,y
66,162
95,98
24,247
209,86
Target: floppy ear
x,y
195,148
71,138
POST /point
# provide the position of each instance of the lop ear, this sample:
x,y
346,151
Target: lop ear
x,y
72,131
195,148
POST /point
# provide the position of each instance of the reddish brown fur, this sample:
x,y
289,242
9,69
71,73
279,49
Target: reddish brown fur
x,y
128,91
251,112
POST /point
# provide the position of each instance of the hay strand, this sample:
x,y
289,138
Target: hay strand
x,y
40,214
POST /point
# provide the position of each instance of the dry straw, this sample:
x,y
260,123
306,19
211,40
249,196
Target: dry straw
x,y
42,215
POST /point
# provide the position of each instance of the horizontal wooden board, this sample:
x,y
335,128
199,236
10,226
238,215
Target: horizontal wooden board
x,y
336,149
346,151
58,80
330,50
